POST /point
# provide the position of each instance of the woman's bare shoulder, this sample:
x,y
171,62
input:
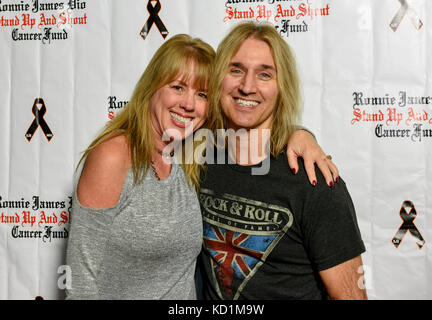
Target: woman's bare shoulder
x,y
104,173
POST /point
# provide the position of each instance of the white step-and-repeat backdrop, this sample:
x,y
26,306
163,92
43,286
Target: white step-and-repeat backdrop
x,y
67,67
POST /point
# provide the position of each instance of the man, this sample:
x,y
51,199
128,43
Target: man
x,y
271,236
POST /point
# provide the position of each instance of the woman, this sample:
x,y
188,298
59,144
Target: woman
x,y
136,224
136,229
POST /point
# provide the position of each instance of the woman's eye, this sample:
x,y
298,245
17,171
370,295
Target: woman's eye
x,y
177,88
202,95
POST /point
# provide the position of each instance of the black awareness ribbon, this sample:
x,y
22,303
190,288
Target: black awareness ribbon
x,y
408,218
38,121
154,19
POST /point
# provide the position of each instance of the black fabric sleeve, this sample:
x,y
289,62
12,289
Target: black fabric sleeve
x,y
330,228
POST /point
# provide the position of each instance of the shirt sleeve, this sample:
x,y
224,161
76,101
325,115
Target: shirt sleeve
x,y
330,228
85,249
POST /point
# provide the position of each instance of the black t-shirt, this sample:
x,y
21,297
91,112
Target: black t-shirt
x,y
267,236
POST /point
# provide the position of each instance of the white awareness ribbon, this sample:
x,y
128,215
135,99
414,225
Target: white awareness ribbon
x,y
405,9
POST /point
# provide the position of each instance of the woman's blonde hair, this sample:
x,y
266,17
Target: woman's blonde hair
x,y
288,106
181,54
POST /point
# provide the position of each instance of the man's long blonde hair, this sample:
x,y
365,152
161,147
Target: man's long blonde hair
x,y
288,106
180,54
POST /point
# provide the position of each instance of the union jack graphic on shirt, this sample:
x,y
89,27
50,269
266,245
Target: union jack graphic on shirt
x,y
234,255
239,234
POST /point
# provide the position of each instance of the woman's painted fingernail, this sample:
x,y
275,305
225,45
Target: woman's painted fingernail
x,y
314,183
331,184
337,179
293,170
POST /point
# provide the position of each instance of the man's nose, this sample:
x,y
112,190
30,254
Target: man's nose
x,y
248,84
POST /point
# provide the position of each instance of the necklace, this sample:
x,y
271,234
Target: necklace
x,y
165,154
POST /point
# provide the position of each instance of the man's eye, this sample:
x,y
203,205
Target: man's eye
x,y
265,75
236,71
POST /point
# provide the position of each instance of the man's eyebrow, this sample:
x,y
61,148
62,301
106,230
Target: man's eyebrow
x,y
240,65
236,65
